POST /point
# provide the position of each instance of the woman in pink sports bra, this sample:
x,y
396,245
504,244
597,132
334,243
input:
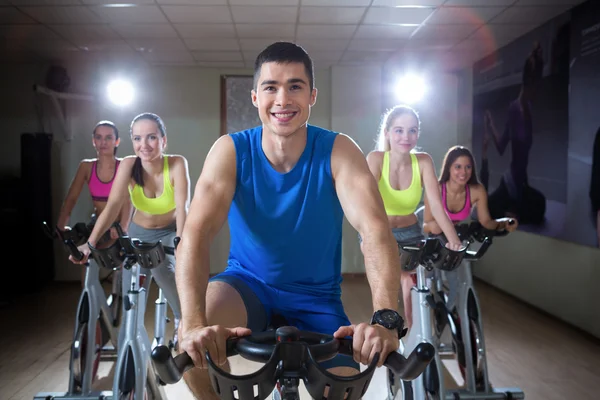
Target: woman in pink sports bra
x,y
461,190
99,174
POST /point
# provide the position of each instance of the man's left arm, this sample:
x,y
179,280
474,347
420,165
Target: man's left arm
x,y
362,204
363,207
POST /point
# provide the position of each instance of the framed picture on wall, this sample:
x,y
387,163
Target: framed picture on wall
x,y
237,111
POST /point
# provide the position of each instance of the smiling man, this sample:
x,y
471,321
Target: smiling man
x,y
284,187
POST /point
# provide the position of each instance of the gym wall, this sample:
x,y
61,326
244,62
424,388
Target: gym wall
x,y
188,99
558,275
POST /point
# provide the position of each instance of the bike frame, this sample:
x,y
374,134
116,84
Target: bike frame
x,y
134,353
421,331
92,303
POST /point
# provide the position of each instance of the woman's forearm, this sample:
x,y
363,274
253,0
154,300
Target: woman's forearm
x,y
104,222
125,215
432,227
65,213
445,224
180,216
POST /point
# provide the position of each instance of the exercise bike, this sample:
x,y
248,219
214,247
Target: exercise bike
x,y
79,234
462,316
95,323
423,257
135,377
290,355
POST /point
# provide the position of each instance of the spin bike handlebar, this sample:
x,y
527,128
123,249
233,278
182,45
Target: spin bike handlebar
x,y
126,251
78,234
430,253
75,253
289,353
474,231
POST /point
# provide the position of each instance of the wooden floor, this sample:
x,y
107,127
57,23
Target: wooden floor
x,y
546,358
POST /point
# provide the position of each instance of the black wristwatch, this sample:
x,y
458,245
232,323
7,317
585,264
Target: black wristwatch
x,y
389,319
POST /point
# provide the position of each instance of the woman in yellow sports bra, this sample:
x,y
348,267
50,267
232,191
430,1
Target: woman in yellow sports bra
x,y
401,174
158,187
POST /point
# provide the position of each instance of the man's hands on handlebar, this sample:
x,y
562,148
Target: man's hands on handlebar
x,y
196,341
367,340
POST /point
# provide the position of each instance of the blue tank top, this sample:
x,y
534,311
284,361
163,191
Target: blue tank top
x,y
286,228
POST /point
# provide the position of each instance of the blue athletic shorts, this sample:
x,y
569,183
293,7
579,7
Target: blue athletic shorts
x,y
306,312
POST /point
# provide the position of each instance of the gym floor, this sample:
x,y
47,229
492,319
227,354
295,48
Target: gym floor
x,y
546,358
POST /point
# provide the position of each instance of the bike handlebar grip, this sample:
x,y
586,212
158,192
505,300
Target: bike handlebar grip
x,y
231,346
169,369
75,253
49,232
176,241
410,368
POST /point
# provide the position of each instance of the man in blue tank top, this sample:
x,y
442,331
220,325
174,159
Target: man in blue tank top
x,y
284,187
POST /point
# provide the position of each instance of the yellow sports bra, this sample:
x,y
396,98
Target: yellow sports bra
x,y
159,205
400,202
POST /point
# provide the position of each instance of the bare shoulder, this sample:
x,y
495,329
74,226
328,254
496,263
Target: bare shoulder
x,y
223,145
375,156
87,162
347,157
345,143
85,167
176,160
477,191
221,160
423,157
345,150
375,160
425,160
127,161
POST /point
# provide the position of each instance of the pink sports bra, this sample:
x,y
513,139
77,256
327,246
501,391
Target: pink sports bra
x,y
98,189
466,210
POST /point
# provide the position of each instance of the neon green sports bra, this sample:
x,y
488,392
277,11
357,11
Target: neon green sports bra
x,y
159,205
400,202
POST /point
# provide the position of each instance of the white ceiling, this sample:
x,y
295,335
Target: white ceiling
x,y
230,33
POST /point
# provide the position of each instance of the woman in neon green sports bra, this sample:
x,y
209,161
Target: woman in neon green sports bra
x,y
158,187
401,174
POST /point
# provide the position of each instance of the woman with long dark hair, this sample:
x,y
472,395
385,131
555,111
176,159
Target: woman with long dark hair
x,y
461,191
99,174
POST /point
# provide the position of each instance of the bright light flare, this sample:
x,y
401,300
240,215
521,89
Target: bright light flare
x,y
410,89
120,92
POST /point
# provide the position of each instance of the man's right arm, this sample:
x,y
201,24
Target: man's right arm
x,y
208,211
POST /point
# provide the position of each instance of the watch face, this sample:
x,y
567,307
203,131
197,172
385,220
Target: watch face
x,y
388,317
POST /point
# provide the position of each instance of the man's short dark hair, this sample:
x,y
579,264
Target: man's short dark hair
x,y
284,52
